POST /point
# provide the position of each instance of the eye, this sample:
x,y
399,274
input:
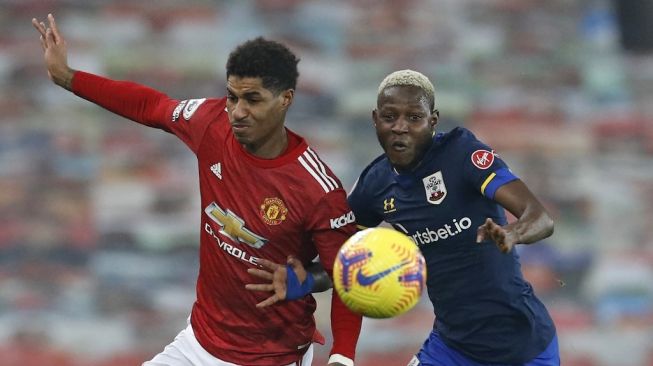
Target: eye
x,y
388,117
232,98
253,101
416,117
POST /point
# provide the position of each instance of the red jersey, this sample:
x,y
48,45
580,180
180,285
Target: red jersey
x,y
251,208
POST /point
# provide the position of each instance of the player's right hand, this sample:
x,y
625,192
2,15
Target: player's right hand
x,y
277,276
54,52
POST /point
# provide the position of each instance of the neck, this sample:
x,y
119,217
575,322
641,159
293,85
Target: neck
x,y
271,148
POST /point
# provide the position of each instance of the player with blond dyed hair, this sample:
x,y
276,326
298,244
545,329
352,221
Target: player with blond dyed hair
x,y
449,192
410,78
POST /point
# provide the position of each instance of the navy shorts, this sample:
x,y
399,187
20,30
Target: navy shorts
x,y
435,353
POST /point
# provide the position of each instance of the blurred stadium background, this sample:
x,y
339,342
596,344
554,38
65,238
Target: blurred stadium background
x,y
99,217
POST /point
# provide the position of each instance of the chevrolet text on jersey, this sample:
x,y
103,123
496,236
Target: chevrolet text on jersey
x,y
446,231
230,249
343,220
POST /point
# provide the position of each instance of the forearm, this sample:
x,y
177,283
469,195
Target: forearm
x,y
532,226
130,100
321,278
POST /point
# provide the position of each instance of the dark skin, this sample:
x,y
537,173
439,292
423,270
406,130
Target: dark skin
x,y
405,122
257,115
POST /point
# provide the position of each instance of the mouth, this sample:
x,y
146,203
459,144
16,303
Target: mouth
x,y
398,146
239,127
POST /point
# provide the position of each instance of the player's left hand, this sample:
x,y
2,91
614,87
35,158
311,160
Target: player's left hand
x,y
502,236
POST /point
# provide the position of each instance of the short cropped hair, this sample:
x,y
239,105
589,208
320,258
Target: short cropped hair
x,y
410,78
271,61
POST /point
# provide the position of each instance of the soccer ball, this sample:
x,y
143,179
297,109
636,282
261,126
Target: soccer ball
x,y
379,273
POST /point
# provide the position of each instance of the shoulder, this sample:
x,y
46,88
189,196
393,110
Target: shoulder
x,y
458,136
316,176
188,109
458,142
375,173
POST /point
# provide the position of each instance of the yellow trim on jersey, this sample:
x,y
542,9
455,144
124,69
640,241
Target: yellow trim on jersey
x,y
487,181
361,227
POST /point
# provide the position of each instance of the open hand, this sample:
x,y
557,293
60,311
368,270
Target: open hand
x,y
277,276
55,52
503,237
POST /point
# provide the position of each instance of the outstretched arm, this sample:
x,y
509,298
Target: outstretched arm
x,y
533,222
55,52
136,102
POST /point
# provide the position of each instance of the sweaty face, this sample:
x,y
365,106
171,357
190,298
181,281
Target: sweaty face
x,y
257,116
404,125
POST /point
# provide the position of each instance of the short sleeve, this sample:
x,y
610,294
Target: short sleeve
x,y
484,169
361,204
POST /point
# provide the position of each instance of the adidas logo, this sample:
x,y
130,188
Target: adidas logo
x,y
217,170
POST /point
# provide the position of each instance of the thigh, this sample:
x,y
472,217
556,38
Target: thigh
x,y
550,356
185,351
172,354
307,360
435,352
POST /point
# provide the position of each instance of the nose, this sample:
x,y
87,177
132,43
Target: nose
x,y
400,126
239,111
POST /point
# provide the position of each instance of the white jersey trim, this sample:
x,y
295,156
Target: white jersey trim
x,y
312,172
321,170
312,163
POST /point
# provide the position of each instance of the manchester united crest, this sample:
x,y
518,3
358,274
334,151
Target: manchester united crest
x,y
273,211
435,189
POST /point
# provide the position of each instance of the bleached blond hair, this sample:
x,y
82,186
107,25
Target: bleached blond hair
x,y
410,78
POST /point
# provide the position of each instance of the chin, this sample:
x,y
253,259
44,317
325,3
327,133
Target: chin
x,y
399,162
242,139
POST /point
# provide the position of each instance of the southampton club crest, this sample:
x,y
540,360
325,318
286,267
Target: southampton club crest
x,y
435,189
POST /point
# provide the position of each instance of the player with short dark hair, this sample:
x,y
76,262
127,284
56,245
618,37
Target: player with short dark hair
x,y
273,62
265,195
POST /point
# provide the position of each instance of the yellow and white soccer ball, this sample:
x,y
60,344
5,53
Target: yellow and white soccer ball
x,y
379,273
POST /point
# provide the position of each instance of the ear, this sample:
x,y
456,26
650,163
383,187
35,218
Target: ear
x,y
435,118
375,115
287,98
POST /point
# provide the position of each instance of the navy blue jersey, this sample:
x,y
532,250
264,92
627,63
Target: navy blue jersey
x,y
484,308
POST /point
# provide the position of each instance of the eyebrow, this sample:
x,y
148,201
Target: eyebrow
x,y
247,94
411,106
252,94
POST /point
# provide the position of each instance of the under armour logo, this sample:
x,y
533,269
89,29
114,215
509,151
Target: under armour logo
x,y
389,205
